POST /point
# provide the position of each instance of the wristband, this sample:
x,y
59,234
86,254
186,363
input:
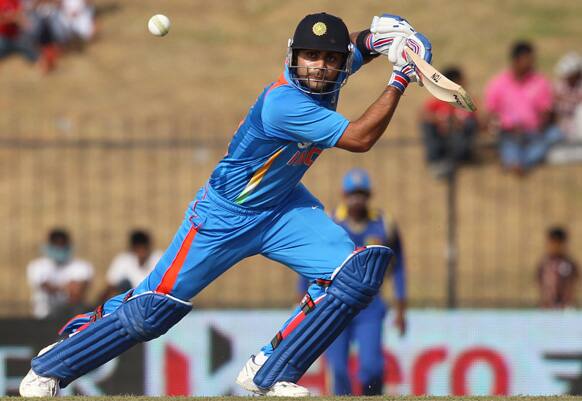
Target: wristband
x,y
399,81
364,44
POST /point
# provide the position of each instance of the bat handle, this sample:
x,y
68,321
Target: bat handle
x,y
408,50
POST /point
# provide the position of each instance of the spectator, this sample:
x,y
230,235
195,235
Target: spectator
x,y
49,30
557,273
58,280
568,91
366,226
448,132
519,102
129,268
77,17
67,21
41,29
14,37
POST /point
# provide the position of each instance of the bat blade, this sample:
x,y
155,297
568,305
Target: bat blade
x,y
438,85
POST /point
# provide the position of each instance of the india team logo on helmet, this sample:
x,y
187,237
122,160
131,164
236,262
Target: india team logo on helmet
x,y
319,28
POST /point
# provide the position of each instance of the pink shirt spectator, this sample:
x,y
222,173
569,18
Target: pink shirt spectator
x,y
519,104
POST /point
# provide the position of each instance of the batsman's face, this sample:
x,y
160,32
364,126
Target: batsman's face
x,y
317,69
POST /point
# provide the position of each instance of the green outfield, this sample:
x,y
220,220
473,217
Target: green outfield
x,y
387,398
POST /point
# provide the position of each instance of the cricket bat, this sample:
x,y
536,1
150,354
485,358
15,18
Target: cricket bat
x,y
438,85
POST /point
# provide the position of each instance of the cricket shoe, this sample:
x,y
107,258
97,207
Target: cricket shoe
x,y
34,385
247,374
279,389
287,389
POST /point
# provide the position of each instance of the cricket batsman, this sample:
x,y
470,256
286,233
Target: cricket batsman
x,y
254,203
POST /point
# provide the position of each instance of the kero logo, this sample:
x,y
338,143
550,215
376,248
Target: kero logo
x,y
425,367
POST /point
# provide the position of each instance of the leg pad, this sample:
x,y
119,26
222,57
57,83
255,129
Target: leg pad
x,y
141,318
353,287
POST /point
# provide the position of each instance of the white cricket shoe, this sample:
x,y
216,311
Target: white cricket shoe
x,y
279,389
287,389
34,385
247,374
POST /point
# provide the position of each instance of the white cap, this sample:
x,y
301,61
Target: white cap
x,y
569,64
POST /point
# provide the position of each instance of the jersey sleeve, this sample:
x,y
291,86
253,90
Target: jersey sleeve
x,y
292,116
358,61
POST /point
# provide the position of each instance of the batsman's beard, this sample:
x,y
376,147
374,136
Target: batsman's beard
x,y
317,79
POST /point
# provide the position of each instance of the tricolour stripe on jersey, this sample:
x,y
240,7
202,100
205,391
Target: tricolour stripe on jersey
x,y
257,177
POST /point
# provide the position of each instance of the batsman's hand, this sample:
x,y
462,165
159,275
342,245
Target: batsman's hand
x,y
417,42
403,70
385,28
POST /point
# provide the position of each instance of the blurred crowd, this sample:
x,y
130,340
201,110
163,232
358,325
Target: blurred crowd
x,y
531,118
60,282
41,30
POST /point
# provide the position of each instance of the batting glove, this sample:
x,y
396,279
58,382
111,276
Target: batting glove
x,y
384,29
416,42
403,71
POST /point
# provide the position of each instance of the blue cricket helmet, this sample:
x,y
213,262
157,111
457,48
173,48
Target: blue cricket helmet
x,y
356,179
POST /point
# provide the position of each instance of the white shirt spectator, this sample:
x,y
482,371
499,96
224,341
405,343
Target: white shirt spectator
x,y
126,266
45,271
78,17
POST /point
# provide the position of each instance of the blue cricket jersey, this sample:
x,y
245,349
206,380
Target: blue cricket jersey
x,y
279,139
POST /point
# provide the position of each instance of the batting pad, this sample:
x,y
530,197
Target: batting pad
x,y
141,318
353,287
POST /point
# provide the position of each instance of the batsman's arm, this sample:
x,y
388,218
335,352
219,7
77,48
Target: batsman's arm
x,y
361,134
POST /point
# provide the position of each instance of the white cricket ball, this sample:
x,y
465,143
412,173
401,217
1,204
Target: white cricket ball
x,y
159,25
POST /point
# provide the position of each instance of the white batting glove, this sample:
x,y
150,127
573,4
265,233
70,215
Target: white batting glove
x,y
385,29
416,42
403,71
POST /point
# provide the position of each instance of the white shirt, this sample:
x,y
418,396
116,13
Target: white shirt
x,y
78,16
125,266
45,270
